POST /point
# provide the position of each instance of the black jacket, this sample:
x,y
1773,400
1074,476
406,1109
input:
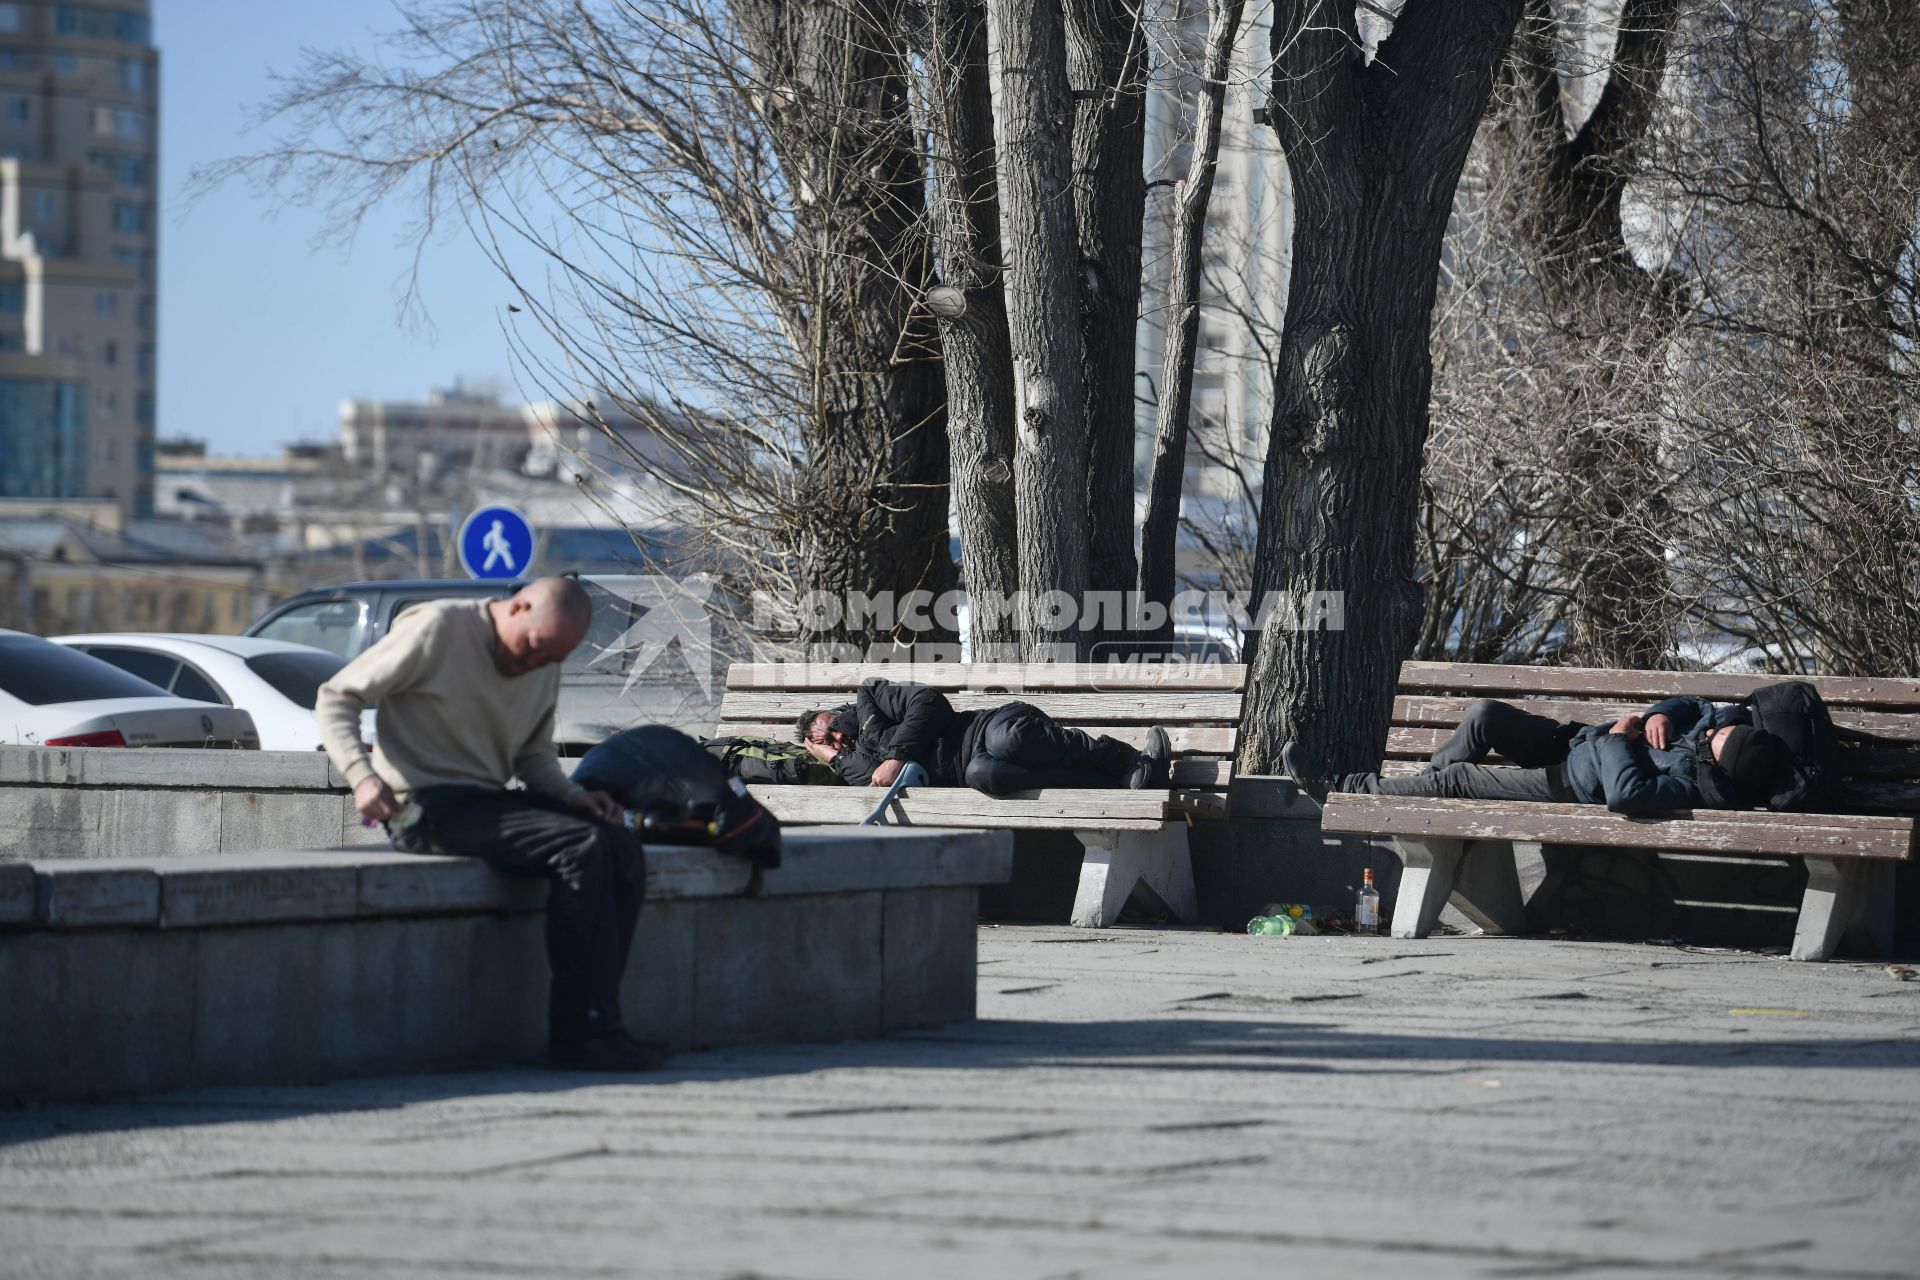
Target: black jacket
x,y
899,720
1628,776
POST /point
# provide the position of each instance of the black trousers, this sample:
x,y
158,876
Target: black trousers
x,y
599,879
1021,748
1537,744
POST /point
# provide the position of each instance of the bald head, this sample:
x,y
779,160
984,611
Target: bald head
x,y
563,598
540,624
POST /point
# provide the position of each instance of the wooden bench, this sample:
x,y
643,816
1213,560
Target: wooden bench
x,y
1463,850
1133,839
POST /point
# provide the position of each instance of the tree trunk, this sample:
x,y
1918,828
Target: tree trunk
x,y
1107,68
1621,606
876,464
1375,152
1159,534
958,112
1043,315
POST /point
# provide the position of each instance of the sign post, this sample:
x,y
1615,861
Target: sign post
x,y
496,542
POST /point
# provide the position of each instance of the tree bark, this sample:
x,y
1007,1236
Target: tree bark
x,y
876,464
1107,69
1043,314
1159,532
1375,152
979,362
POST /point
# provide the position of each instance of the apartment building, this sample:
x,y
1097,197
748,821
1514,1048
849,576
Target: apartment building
x,y
79,238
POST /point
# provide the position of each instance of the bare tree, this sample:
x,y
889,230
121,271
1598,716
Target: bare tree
x,y
957,106
1051,461
1159,532
1375,148
705,213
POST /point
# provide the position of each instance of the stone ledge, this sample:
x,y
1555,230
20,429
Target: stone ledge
x,y
261,888
168,767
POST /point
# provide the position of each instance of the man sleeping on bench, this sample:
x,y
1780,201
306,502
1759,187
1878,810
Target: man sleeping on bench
x,y
1681,753
1016,747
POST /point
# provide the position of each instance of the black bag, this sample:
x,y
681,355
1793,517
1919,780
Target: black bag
x,y
758,760
683,794
1793,712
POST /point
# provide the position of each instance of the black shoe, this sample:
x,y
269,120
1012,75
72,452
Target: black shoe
x,y
1154,768
1305,768
611,1051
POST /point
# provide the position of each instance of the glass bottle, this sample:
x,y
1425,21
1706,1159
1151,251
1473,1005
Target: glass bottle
x,y
1366,912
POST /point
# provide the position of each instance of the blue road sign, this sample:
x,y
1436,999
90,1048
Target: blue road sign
x,y
496,542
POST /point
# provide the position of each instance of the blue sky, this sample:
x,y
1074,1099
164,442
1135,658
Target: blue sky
x,y
262,335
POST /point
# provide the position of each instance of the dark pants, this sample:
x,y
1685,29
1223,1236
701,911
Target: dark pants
x,y
599,878
1020,748
1537,744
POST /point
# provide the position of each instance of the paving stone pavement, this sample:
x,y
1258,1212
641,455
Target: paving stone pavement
x,y
1131,1103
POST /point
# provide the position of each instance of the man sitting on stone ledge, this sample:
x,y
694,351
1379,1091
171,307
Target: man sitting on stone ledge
x,y
466,692
1681,753
1016,747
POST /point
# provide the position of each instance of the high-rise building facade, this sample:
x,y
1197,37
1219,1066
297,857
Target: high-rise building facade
x,y
79,239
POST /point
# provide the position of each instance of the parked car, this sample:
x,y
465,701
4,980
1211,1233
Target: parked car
x,y
53,696
275,682
597,696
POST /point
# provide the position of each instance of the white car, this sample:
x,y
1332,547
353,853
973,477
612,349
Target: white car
x,y
276,681
51,696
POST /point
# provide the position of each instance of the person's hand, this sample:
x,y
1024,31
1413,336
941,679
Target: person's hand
x,y
599,805
887,772
819,751
1628,726
375,799
1659,731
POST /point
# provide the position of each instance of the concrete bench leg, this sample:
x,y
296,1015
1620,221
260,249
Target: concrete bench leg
x,y
1476,876
1486,889
1842,892
1118,862
1428,869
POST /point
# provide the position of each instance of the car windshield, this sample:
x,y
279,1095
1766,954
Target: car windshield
x,y
298,676
40,673
333,625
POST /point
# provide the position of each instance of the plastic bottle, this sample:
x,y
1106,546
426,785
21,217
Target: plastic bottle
x,y
1269,926
1366,912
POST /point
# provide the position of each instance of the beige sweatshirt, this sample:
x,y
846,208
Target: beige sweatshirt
x,y
446,716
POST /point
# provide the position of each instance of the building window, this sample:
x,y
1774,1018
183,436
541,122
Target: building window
x,y
13,297
42,204
133,75
143,361
66,64
128,171
13,59
110,354
11,18
102,24
119,122
130,218
13,342
17,151
146,313
106,303
19,110
143,409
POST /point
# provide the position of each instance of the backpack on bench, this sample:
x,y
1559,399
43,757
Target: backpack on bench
x,y
763,760
1794,712
682,793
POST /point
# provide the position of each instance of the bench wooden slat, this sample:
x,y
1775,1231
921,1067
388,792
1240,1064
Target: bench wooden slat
x,y
962,806
1186,739
984,676
1703,830
1145,708
1855,759
1429,710
1500,681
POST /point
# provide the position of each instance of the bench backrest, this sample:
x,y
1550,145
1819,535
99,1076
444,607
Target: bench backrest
x,y
1198,705
1881,775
